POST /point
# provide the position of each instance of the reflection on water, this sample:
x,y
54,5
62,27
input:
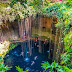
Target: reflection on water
x,y
15,53
30,63
45,34
26,59
10,61
48,51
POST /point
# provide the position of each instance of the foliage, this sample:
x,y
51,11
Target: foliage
x,y
22,2
55,67
64,69
69,3
23,12
17,11
68,41
3,68
66,58
46,2
20,69
6,13
37,5
12,46
63,12
46,65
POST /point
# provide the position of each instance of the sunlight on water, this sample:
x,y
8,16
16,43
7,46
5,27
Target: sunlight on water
x,y
27,59
48,51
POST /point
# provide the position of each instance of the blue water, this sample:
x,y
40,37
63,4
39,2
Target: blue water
x,y
15,59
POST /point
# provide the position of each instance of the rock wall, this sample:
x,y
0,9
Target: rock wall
x,y
12,31
9,33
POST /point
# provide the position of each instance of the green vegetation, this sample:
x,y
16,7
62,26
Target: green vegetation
x,y
63,12
22,2
19,9
19,69
12,46
66,57
3,68
55,67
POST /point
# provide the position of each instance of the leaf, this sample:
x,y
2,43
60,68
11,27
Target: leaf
x,y
46,65
19,69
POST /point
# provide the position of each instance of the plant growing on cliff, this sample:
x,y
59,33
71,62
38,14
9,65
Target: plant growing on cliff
x,y
17,11
66,57
12,46
63,13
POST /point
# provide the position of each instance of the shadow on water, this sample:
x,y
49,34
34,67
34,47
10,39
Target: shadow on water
x,y
31,63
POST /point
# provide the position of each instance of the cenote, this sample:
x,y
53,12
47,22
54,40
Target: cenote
x,y
35,36
36,45
21,57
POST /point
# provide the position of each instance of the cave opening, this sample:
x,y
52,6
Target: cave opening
x,y
36,39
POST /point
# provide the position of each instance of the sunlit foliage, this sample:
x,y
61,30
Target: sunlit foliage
x,y
66,58
20,9
19,69
3,68
55,67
